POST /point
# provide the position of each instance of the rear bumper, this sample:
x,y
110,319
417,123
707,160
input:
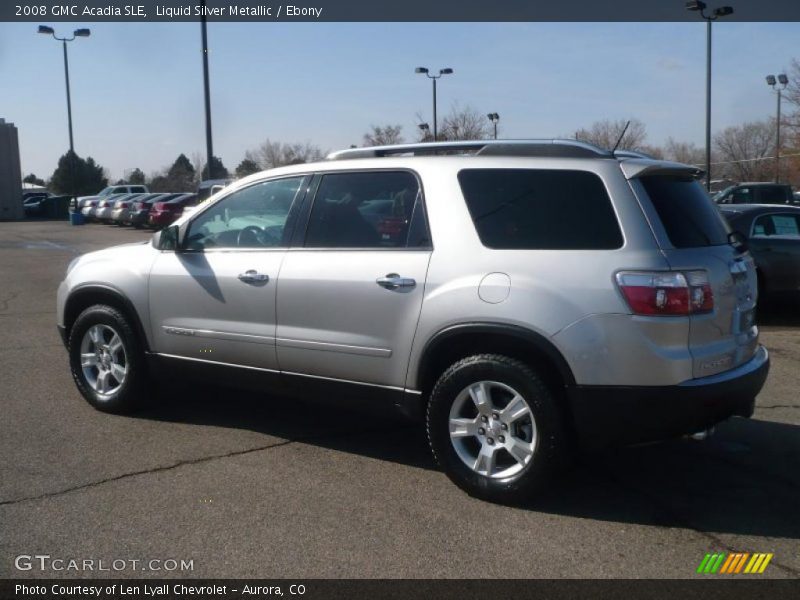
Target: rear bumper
x,y
605,415
161,219
139,217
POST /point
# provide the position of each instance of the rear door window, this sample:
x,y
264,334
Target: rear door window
x,y
772,194
784,225
690,218
742,196
381,209
540,209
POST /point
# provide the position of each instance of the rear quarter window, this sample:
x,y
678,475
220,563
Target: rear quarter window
x,y
539,209
690,218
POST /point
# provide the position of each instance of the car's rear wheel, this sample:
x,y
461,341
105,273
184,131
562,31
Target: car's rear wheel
x,y
494,427
106,359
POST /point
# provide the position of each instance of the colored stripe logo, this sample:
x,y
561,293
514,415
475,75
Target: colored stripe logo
x,y
734,563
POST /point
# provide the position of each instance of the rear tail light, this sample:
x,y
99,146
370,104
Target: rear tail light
x,y
669,293
123,205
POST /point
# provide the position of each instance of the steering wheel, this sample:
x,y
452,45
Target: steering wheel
x,y
250,236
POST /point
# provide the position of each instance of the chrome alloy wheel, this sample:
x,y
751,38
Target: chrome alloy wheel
x,y
492,429
103,360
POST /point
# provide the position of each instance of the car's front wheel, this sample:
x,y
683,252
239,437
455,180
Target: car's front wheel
x,y
495,429
106,359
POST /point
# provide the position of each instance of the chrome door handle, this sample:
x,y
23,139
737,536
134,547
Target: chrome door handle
x,y
392,281
253,276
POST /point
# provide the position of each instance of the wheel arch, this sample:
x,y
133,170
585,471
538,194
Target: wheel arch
x,y
459,341
82,297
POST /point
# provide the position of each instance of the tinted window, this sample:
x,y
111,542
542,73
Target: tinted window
x,y
770,194
742,196
784,225
367,210
688,215
138,188
540,209
252,217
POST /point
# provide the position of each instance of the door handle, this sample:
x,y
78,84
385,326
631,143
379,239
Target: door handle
x,y
253,276
392,281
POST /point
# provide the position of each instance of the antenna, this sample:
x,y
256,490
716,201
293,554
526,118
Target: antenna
x,y
621,135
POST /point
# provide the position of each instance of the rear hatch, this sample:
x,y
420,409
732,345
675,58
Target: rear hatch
x,y
694,238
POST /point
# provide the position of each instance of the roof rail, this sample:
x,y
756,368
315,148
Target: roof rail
x,y
545,148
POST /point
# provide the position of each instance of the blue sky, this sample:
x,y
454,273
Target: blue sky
x,y
137,88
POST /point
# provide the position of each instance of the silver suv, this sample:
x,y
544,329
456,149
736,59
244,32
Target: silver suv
x,y
522,297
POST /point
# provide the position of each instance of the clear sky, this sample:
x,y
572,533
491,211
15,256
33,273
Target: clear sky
x,y
138,102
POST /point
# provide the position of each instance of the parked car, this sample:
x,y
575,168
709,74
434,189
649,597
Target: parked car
x,y
756,193
140,209
27,195
87,208
105,207
164,213
111,190
518,296
122,207
32,206
773,237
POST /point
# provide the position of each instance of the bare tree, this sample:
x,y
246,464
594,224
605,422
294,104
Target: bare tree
x,y
384,136
605,134
464,124
792,93
271,154
684,152
745,150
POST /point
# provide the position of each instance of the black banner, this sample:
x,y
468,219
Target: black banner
x,y
713,588
383,11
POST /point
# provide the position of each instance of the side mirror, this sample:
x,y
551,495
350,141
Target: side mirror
x,y
738,240
167,239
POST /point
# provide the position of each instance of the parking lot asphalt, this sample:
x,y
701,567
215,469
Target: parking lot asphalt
x,y
249,485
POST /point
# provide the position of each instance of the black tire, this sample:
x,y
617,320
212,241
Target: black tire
x,y
550,450
130,394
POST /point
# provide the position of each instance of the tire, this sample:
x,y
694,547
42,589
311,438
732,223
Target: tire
x,y
537,437
95,332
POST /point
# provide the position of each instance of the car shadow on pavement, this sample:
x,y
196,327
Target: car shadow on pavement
x,y
744,480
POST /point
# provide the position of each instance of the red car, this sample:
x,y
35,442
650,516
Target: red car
x,y
164,213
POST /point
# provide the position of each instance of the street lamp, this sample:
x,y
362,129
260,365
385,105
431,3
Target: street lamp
x,y
426,71
75,34
494,118
426,131
722,11
782,81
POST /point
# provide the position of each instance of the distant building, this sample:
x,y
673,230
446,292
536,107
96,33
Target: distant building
x,y
10,174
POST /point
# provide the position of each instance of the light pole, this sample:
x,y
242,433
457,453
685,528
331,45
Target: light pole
x,y
494,118
426,131
426,71
206,93
783,81
722,11
75,34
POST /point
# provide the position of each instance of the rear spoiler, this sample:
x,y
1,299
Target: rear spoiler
x,y
639,167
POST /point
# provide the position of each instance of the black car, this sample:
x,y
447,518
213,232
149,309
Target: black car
x,y
756,193
773,236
